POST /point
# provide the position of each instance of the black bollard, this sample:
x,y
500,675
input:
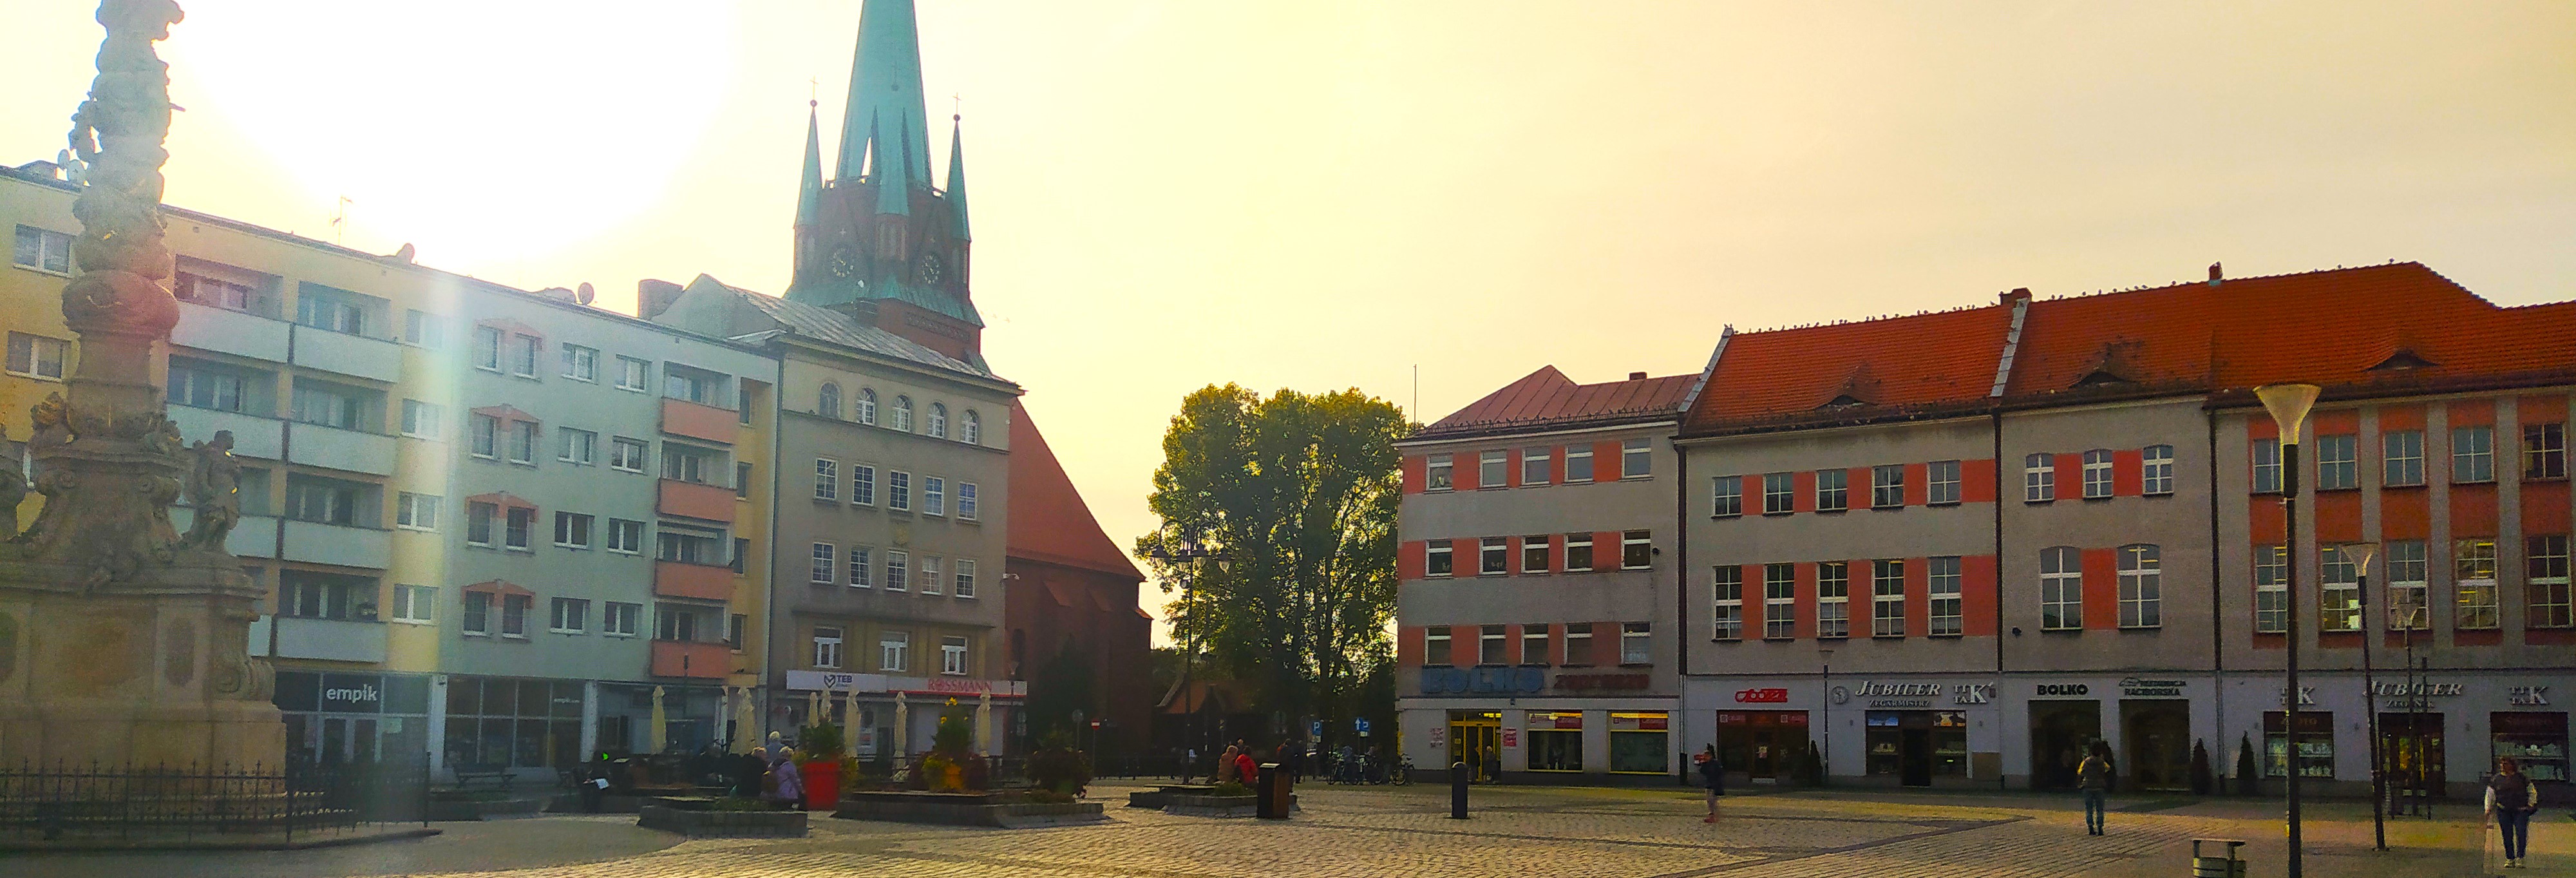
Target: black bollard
x,y
1457,791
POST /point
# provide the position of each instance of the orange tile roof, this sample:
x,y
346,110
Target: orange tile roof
x,y
1548,399
2329,328
1860,370
1049,522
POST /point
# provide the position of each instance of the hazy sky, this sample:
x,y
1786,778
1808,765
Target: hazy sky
x,y
1323,194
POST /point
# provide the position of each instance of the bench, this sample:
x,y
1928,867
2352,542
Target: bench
x,y
468,775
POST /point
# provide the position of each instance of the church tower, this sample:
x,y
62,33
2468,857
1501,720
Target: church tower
x,y
877,241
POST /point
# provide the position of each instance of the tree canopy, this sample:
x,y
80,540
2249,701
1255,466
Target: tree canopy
x,y
1298,492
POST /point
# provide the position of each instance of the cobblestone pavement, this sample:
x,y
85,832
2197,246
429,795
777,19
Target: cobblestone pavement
x,y
1405,832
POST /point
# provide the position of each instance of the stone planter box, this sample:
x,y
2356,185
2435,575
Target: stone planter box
x,y
463,808
1211,806
722,824
1005,810
1162,795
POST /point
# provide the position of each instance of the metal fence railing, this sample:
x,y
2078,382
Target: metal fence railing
x,y
300,800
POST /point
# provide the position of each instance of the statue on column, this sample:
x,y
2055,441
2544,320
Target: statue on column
x,y
214,490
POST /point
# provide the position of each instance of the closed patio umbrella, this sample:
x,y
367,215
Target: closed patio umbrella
x,y
655,736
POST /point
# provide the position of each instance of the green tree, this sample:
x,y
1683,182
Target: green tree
x,y
1061,686
1299,492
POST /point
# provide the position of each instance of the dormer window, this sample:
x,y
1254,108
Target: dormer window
x,y
2402,359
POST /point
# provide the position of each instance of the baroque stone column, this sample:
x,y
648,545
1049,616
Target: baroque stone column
x,y
123,641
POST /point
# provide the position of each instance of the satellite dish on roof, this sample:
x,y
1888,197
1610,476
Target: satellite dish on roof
x,y
584,293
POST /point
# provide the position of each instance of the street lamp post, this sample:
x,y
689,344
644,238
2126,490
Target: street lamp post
x,y
1824,760
2288,405
1187,557
2360,554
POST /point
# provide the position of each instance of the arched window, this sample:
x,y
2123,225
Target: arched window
x,y
2061,589
2142,578
938,421
864,406
901,418
971,432
828,402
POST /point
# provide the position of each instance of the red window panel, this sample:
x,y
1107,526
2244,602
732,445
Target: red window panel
x,y
1606,462
2544,507
2403,515
1918,483
1464,640
2101,588
1977,595
1918,597
2541,409
1512,641
2338,517
2263,517
2070,476
1805,605
2401,417
1977,481
1512,468
2472,412
2473,509
1408,646
2128,479
1409,563
2259,426
1802,491
2335,422
1416,471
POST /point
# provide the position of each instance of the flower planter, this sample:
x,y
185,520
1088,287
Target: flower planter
x,y
1212,806
822,784
722,824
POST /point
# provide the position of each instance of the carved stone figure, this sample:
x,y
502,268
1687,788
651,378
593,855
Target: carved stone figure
x,y
214,489
13,487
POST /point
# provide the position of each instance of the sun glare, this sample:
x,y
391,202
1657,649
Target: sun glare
x,y
473,126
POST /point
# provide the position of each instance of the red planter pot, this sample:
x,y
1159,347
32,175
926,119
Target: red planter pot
x,y
822,785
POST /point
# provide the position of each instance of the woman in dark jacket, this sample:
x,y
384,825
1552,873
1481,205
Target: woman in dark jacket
x,y
1712,774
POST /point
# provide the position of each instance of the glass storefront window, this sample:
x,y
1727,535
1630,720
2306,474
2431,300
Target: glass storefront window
x,y
2316,744
1555,741
2536,741
514,723
1637,743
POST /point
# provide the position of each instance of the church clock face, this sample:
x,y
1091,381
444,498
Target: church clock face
x,y
843,264
930,268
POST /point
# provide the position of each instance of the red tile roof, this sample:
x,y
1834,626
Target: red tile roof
x,y
2322,327
1048,520
1845,371
1548,399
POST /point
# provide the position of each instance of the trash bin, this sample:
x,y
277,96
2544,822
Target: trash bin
x,y
2226,866
1272,802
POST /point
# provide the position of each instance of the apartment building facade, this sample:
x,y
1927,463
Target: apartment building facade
x,y
2072,533
891,522
1537,569
488,518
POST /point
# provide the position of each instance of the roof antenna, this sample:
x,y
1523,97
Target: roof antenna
x,y
1415,409
340,220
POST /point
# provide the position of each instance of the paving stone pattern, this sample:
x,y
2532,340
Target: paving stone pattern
x,y
1405,832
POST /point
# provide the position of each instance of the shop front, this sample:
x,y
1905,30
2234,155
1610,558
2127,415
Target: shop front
x,y
2155,733
1555,741
334,718
1640,742
690,717
2065,721
1762,746
2440,733
509,723
1475,740
1915,746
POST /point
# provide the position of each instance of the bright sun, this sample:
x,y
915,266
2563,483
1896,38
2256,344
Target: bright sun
x,y
466,122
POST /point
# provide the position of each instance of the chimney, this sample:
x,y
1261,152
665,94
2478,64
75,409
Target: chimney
x,y
2215,275
2018,295
1636,376
652,297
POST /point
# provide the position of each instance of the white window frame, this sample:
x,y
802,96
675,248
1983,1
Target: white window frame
x,y
581,363
2473,454
2271,589
2061,589
580,447
2266,477
484,433
953,656
2097,474
934,496
824,566
525,351
968,502
621,619
568,615
487,349
827,646
515,538
2039,478
1534,645
1779,493
1887,598
1546,554
52,250
1438,550
1943,583
827,480
417,511
937,421
1493,556
423,420
2408,567
1637,458
634,376
2338,591
927,580
2401,456
415,604
894,650
1636,644
1725,496
971,428
1726,602
898,491
2549,603
863,407
1493,469
476,619
1833,494
2338,462
485,517
2480,604
1581,453
523,442
901,415
1582,541
898,570
2156,470
1941,480
628,455
1779,601
1439,473
2142,585
1642,542
962,581
575,530
1887,486
1542,457
1833,600
863,484
1436,646
626,536
861,567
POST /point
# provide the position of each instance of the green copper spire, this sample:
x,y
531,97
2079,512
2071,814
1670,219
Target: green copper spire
x,y
957,174
809,190
885,90
890,169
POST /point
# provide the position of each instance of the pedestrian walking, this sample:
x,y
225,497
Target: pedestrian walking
x,y
2511,798
1712,774
2094,775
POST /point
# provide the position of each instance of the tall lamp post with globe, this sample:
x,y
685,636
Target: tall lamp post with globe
x,y
2288,405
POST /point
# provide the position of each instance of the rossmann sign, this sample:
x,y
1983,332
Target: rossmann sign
x,y
1762,696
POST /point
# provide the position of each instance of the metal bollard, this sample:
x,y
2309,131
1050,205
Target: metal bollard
x,y
1457,791
2227,866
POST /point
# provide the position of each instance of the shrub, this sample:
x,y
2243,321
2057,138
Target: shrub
x,y
820,742
1050,797
1231,788
1056,766
737,803
2248,781
2201,783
